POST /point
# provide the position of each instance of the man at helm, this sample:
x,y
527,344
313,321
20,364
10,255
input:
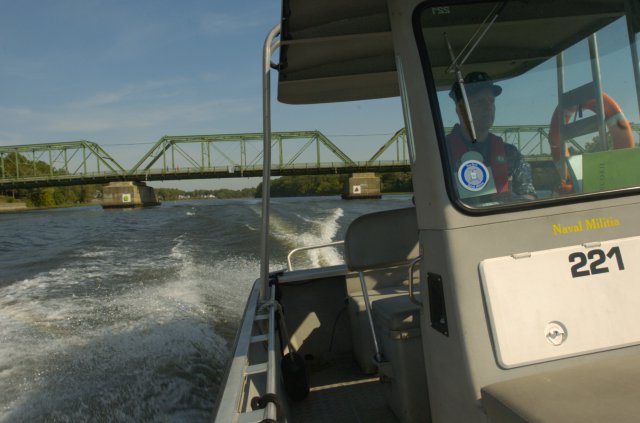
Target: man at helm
x,y
511,173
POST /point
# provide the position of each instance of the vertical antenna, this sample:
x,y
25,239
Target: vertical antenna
x,y
466,109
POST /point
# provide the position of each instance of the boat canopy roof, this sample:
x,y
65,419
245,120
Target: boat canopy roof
x,y
336,50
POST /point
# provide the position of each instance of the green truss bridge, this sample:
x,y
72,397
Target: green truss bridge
x,y
222,156
191,157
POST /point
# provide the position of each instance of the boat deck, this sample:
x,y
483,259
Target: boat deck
x,y
341,393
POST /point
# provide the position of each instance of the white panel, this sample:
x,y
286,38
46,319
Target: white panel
x,y
591,307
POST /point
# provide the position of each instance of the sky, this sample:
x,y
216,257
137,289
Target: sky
x,y
125,73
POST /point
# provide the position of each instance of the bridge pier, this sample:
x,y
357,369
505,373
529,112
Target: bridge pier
x,y
128,194
362,185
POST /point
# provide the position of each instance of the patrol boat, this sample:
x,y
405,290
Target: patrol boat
x,y
479,304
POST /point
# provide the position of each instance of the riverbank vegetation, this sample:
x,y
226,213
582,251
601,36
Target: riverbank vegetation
x,y
172,194
44,197
311,185
53,196
286,186
292,186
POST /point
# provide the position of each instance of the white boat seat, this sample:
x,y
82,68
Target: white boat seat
x,y
396,313
362,340
380,245
382,240
607,390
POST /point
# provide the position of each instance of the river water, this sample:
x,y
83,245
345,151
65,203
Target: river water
x,y
129,315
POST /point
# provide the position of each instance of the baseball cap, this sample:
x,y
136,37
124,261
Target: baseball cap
x,y
473,83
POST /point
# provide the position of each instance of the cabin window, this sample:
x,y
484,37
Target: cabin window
x,y
547,109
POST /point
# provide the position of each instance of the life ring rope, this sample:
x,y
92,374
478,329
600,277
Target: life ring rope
x,y
615,119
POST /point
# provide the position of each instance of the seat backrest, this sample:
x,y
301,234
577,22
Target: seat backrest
x,y
382,239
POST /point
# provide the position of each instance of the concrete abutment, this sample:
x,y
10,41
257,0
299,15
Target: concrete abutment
x,y
362,185
128,194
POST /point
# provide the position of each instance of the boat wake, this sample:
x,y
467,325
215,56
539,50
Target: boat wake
x,y
81,344
304,232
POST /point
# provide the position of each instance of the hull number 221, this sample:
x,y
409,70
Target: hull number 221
x,y
594,262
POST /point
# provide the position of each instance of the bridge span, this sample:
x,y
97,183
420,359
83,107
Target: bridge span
x,y
192,157
226,156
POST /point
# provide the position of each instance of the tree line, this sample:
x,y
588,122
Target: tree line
x,y
313,185
19,165
53,196
171,194
286,186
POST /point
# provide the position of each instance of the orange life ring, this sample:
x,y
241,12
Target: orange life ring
x,y
619,128
618,125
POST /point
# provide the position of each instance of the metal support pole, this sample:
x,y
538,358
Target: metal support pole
x,y
540,138
629,6
243,155
270,45
173,156
367,306
599,105
164,158
562,167
84,159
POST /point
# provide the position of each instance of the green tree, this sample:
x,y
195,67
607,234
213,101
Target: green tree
x,y
396,182
305,185
168,194
42,197
228,193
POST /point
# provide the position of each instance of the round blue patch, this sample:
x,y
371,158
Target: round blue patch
x,y
473,175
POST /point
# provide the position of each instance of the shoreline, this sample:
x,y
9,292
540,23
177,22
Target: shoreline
x,y
18,206
13,207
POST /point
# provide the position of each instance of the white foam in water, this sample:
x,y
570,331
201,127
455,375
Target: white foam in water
x,y
283,230
323,232
144,351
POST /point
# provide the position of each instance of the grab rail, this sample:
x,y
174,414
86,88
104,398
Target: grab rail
x,y
271,409
259,318
271,44
310,247
412,296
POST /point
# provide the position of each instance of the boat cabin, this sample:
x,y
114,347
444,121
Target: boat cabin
x,y
509,292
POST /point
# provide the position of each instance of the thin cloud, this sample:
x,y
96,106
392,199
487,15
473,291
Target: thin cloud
x,y
16,112
218,23
132,92
98,120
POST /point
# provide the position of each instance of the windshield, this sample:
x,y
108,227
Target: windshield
x,y
537,100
